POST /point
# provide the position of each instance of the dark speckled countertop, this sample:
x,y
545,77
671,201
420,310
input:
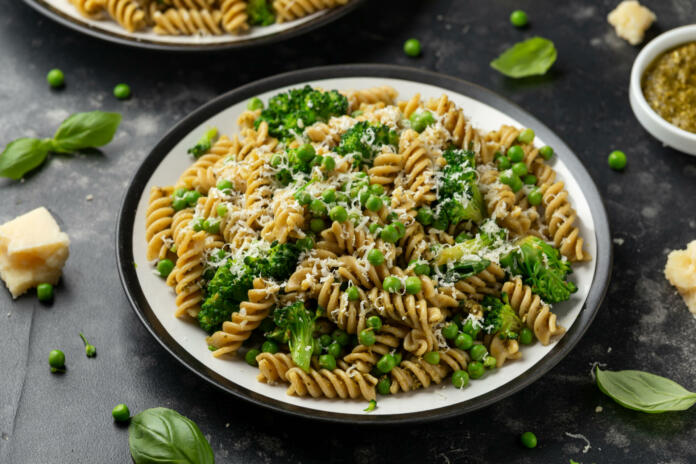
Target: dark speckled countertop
x,y
642,324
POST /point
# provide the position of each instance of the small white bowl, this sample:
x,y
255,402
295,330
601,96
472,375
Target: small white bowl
x,y
658,127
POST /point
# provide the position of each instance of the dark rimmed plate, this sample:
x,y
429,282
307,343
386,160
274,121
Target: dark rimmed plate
x,y
154,305
154,42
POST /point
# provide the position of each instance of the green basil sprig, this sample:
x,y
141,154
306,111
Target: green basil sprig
x,y
644,392
79,131
529,58
160,435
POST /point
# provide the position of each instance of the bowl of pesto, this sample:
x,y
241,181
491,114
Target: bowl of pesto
x,y
663,88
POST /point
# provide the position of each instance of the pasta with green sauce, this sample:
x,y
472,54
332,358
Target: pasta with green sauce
x,y
350,245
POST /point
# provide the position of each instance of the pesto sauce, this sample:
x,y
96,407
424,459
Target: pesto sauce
x,y
669,86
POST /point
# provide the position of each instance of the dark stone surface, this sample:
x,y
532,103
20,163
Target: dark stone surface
x,y
643,324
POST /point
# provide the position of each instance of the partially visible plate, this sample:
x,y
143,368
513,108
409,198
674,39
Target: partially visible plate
x,y
63,12
154,303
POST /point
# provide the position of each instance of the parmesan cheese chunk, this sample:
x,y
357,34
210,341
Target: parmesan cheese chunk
x,y
33,251
631,20
680,270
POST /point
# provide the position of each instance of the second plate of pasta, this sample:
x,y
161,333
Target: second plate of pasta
x,y
365,244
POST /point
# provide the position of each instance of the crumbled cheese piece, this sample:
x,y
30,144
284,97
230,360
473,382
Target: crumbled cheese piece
x,y
89,197
631,20
33,250
618,241
598,409
580,436
680,270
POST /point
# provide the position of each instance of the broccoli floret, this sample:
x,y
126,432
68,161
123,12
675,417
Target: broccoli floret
x,y
500,318
278,263
298,324
260,13
231,286
542,268
473,246
459,198
204,143
214,311
290,112
364,140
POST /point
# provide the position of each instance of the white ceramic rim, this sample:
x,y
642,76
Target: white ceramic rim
x,y
655,124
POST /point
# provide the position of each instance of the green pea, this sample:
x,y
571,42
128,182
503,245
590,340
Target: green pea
x,y
318,207
328,362
122,91
470,328
120,413
518,18
530,179
391,284
353,294
422,269
325,340
180,192
306,243
338,214
400,228
179,203
617,160
211,226
250,357
389,234
334,349
269,346
516,184
424,216
304,198
519,169
450,331
316,225
515,153
490,362
373,228
329,196
198,225
397,358
506,177
374,322
192,197
412,47
528,439
384,386
255,104
377,189
44,292
478,352
221,210
367,337
526,336
56,359
460,378
165,267
534,197
374,203
475,369
432,357
55,78
463,341
546,152
341,337
420,120
386,363
276,160
413,285
375,257
328,163
526,136
306,152
224,184
503,163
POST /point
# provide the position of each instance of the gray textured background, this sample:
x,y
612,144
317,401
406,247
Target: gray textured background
x,y
643,324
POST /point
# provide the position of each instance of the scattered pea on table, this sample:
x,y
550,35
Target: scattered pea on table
x,y
617,160
412,47
519,18
120,413
122,91
55,78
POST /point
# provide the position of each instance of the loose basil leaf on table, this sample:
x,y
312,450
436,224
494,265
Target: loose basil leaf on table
x,y
160,435
84,130
644,392
22,155
529,58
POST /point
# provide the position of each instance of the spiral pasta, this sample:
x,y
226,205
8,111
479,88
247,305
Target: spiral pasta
x,y
337,249
127,13
176,21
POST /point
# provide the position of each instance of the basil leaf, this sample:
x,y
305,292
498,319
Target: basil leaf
x,y
529,58
160,435
23,155
644,392
85,130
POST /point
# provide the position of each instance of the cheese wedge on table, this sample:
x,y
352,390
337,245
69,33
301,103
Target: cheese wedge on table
x,y
33,251
680,270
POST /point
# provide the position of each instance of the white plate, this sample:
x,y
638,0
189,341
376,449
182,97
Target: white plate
x,y
154,301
